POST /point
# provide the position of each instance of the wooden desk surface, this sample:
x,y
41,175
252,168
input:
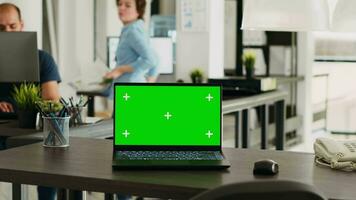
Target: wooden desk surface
x,y
240,103
86,165
11,128
102,129
16,137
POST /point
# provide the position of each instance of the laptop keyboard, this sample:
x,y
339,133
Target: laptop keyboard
x,y
169,155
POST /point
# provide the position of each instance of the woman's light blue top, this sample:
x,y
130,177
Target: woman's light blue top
x,y
134,49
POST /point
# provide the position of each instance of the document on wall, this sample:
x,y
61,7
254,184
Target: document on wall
x,y
194,15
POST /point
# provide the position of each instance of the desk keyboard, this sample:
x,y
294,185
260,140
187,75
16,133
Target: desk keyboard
x,y
169,155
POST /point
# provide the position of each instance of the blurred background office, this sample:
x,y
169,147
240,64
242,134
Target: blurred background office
x,y
316,69
82,35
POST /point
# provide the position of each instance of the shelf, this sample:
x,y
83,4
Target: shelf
x,y
287,79
281,79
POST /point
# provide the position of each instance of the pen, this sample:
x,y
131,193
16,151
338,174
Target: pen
x,y
80,100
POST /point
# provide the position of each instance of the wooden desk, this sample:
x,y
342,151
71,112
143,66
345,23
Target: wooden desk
x,y
11,128
15,136
86,165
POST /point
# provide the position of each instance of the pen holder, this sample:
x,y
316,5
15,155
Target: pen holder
x,y
77,116
56,131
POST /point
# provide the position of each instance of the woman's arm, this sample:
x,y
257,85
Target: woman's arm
x,y
152,75
117,72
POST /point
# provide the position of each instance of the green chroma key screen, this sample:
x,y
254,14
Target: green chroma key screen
x,y
164,115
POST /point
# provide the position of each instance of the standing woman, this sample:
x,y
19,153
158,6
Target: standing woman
x,y
136,60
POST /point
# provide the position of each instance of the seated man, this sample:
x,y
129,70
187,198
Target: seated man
x,y
10,21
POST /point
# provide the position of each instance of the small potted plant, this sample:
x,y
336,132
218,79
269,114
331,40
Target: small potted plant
x,y
197,76
25,97
249,59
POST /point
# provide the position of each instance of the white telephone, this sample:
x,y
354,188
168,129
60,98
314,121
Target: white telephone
x,y
336,154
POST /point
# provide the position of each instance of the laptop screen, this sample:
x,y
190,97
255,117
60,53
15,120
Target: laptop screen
x,y
167,115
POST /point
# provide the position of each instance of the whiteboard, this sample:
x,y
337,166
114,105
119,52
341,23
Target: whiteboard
x,y
163,47
164,50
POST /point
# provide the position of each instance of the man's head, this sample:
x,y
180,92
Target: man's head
x,y
10,18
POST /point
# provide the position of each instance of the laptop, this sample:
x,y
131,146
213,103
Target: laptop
x,y
167,126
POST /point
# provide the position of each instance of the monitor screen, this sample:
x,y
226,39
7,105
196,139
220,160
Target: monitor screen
x,y
18,57
167,115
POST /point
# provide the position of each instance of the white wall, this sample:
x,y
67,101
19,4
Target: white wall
x,y
113,24
230,35
108,24
216,38
341,94
192,49
201,49
73,36
192,52
101,27
304,93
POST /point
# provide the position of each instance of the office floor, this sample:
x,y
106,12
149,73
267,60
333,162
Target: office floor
x,y
228,130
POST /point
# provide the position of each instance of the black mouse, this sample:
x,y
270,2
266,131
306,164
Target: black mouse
x,y
265,167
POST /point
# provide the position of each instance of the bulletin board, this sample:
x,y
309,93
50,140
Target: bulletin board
x,y
194,16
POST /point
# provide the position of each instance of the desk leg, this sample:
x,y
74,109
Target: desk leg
x,y
264,126
280,118
245,130
91,104
75,195
108,196
62,194
16,191
237,129
3,142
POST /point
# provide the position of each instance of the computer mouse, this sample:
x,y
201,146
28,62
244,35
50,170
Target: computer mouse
x,y
265,167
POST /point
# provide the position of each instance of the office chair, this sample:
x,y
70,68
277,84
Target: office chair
x,y
262,190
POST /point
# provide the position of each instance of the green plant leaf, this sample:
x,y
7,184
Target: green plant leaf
x,y
196,73
249,59
49,106
26,95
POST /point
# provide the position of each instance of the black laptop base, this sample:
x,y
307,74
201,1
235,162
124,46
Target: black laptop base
x,y
170,164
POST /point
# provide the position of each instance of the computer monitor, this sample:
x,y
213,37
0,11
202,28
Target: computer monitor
x,y
19,57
